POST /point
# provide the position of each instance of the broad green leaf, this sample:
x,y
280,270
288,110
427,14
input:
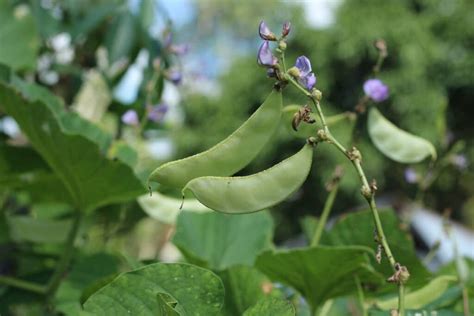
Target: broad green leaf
x,y
166,209
90,178
271,306
395,143
219,240
320,273
26,228
83,274
70,122
196,291
18,37
423,296
147,13
358,229
244,286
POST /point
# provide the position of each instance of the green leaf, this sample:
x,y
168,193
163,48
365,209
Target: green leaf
x,y
147,13
121,37
395,143
84,273
70,122
166,209
244,286
423,296
196,291
219,240
358,229
90,178
18,37
26,228
271,306
320,273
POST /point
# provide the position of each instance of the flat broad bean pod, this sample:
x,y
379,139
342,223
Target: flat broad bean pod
x,y
396,143
255,192
231,154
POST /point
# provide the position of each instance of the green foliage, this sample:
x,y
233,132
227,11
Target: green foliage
x,y
244,287
315,274
189,290
271,307
18,37
217,240
92,180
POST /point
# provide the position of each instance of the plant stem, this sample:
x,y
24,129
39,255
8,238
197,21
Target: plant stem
x,y
401,299
327,209
66,257
24,285
369,192
360,293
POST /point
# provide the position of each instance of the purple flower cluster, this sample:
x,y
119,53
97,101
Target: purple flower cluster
x,y
376,90
265,56
305,76
155,114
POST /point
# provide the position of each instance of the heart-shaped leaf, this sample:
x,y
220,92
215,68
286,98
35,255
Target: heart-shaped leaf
x,y
358,229
320,273
146,291
90,178
219,241
395,143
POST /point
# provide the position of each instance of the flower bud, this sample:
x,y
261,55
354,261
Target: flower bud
x,y
294,72
265,32
282,45
286,29
174,76
318,95
157,112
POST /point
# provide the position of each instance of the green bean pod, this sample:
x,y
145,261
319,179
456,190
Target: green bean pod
x,y
255,192
231,154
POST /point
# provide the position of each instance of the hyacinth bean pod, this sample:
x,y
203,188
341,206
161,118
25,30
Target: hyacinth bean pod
x,y
395,143
252,193
231,154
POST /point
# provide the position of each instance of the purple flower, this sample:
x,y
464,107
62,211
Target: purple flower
x,y
286,29
459,161
410,175
376,90
305,77
265,56
179,49
168,38
130,118
304,65
157,112
265,32
174,76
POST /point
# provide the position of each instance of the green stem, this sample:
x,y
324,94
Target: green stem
x,y
360,294
24,285
324,216
66,257
356,162
401,299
